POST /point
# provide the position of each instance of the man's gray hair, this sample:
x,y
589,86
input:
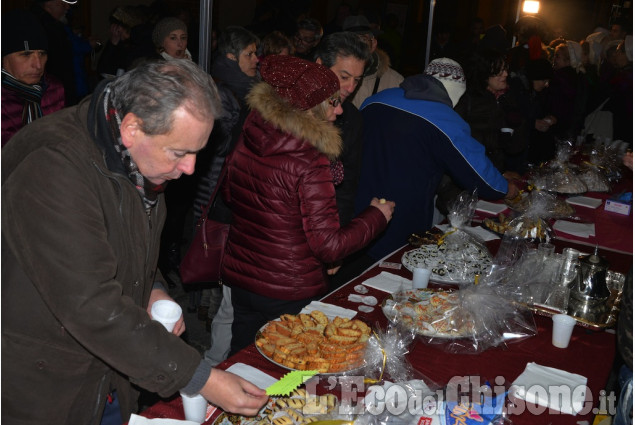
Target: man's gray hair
x,y
154,90
344,44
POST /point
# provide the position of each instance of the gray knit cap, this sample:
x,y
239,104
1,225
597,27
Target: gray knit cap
x,y
164,27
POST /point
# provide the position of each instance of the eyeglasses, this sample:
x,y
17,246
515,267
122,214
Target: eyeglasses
x,y
335,101
366,38
306,40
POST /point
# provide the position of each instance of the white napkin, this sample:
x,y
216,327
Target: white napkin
x,y
550,387
330,310
583,230
480,233
253,375
141,420
389,282
584,201
490,207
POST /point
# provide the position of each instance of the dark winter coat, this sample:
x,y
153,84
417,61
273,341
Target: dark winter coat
x,y
411,138
480,109
79,256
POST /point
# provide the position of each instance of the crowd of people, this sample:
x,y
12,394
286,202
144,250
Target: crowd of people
x,y
313,138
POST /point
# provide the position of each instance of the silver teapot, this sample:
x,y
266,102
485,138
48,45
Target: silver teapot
x,y
588,291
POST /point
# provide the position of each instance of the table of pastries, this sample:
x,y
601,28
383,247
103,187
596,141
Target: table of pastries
x,y
590,353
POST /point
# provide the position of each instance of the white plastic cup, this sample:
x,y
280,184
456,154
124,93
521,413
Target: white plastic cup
x,y
166,312
420,277
562,329
194,407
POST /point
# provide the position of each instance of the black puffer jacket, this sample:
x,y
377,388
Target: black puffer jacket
x,y
233,86
480,109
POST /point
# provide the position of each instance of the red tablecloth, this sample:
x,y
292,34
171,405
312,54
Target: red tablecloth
x,y
590,354
613,231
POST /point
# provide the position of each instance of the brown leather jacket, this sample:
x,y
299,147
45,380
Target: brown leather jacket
x,y
79,260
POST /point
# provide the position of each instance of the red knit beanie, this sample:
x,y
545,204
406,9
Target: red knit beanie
x,y
304,84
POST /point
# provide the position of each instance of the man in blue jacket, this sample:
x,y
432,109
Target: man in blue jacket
x,y
412,136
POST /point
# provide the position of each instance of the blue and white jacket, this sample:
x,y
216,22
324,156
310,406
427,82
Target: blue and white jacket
x,y
412,136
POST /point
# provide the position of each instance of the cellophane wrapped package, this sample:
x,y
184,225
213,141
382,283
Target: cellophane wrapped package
x,y
594,178
558,175
553,207
563,181
465,321
395,392
530,281
532,224
457,257
460,246
405,396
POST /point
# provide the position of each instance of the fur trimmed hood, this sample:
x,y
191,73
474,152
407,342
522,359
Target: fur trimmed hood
x,y
323,135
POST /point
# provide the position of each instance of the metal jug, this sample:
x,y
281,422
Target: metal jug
x,y
588,292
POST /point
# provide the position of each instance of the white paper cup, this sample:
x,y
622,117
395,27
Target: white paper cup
x,y
562,329
194,407
166,312
420,278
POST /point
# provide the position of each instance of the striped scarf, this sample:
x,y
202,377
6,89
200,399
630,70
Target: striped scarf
x,y
148,190
31,96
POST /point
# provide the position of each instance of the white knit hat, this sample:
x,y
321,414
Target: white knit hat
x,y
575,54
450,74
596,44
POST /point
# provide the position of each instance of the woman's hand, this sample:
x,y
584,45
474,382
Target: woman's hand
x,y
386,207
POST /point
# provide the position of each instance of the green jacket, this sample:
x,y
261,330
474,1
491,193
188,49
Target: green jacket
x,y
79,258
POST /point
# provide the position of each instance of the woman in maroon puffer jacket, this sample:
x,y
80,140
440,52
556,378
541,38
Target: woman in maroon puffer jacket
x,y
279,186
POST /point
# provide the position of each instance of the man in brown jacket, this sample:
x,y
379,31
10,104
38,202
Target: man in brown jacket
x,y
82,213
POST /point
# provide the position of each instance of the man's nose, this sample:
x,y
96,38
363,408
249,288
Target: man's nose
x,y
187,164
36,61
349,87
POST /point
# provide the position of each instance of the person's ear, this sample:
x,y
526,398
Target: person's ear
x,y
373,43
231,56
130,129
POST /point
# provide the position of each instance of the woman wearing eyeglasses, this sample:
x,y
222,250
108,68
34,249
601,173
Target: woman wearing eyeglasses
x,y
279,186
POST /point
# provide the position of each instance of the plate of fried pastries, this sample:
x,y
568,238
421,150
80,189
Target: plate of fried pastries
x,y
314,342
297,409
